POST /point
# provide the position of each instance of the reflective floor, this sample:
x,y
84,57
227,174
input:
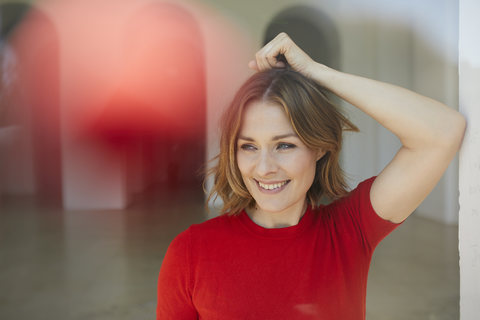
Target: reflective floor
x,y
58,264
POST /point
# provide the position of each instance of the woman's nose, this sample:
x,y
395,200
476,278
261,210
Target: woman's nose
x,y
266,164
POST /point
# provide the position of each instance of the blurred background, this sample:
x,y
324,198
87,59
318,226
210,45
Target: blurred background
x,y
109,113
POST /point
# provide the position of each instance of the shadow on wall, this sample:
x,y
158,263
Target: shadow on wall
x,y
313,30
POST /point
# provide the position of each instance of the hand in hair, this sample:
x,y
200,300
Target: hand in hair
x,y
280,52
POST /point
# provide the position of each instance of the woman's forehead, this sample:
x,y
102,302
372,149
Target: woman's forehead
x,y
261,117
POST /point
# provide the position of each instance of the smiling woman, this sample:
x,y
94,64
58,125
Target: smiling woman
x,y
304,112
276,252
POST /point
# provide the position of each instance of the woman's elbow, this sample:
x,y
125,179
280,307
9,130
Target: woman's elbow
x,y
453,137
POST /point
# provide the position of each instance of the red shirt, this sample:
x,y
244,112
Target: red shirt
x,y
231,268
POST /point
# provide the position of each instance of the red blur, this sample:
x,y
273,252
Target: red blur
x,y
95,78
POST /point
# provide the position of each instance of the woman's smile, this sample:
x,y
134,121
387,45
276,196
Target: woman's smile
x,y
272,187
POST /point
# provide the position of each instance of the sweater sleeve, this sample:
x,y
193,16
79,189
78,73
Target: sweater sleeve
x,y
174,294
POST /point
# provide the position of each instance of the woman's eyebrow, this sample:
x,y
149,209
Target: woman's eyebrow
x,y
245,138
275,138
283,136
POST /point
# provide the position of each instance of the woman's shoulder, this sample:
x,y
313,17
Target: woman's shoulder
x,y
355,201
361,193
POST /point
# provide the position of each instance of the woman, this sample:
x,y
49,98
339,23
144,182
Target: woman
x,y
277,253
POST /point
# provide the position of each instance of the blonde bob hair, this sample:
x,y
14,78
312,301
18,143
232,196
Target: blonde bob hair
x,y
316,121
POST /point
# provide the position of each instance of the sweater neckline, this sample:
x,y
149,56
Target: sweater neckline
x,y
279,233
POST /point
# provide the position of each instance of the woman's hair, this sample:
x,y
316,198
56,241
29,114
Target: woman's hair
x,y
316,121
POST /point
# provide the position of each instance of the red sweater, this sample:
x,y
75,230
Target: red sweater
x,y
231,268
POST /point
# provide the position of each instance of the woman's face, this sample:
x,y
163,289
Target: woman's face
x,y
276,167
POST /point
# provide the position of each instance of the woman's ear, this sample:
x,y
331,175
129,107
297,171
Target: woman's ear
x,y
320,154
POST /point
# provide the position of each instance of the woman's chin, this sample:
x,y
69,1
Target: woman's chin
x,y
272,208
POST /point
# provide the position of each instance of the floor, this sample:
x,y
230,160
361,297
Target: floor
x,y
78,265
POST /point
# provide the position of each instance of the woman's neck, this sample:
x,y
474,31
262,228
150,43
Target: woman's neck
x,y
278,219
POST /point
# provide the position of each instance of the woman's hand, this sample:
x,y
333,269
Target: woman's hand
x,y
268,56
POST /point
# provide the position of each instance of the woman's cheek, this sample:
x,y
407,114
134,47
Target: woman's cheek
x,y
299,163
244,161
294,161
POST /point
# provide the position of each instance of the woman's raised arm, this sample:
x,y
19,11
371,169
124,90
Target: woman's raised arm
x,y
430,132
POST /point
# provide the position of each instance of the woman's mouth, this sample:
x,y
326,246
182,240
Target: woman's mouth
x,y
272,187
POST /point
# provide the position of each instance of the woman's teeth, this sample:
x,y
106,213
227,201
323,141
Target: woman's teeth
x,y
272,186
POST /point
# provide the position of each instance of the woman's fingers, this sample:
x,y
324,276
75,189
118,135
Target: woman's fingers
x,y
253,65
261,60
281,46
278,46
264,58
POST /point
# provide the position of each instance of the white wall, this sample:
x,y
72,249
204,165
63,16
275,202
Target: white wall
x,y
469,222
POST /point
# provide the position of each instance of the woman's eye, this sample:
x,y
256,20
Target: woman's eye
x,y
247,147
284,146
